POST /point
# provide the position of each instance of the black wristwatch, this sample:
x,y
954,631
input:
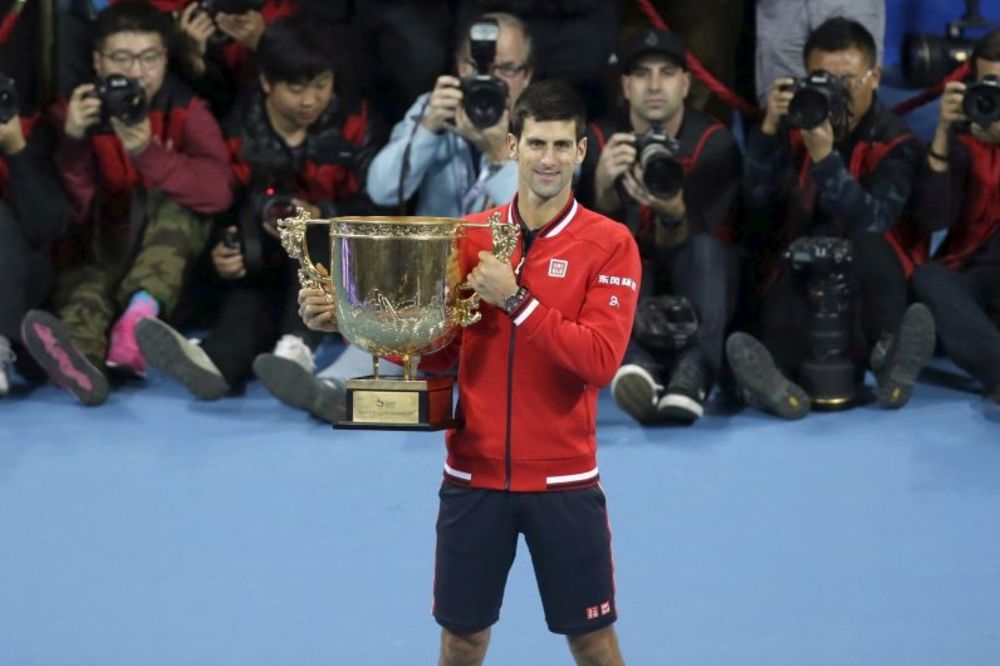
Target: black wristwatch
x,y
511,302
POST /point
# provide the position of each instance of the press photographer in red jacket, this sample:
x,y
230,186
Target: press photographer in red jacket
x,y
293,142
144,165
678,213
847,178
959,189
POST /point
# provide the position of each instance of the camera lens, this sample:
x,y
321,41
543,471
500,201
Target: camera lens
x,y
809,108
662,175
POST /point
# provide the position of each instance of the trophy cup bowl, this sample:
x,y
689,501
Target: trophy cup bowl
x,y
396,284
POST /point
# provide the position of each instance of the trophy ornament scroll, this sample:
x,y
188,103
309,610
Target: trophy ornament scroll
x,y
397,288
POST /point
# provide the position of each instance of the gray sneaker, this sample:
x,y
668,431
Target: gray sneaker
x,y
294,385
174,355
636,392
897,360
761,382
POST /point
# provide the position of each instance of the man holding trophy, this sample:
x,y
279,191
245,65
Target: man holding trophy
x,y
556,315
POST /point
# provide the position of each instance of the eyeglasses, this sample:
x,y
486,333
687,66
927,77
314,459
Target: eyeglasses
x,y
507,70
147,59
851,81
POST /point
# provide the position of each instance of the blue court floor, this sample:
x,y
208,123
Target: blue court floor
x,y
157,530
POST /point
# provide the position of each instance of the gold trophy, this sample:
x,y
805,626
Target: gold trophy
x,y
396,284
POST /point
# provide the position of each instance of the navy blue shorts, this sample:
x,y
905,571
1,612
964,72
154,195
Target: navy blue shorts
x,y
569,539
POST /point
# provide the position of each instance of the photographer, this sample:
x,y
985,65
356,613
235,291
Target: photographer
x,y
293,142
671,174
437,152
845,174
141,187
221,38
33,213
959,188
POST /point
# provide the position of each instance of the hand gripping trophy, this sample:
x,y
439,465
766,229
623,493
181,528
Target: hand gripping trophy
x,y
396,283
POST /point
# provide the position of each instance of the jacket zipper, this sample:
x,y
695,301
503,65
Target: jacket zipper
x,y
510,404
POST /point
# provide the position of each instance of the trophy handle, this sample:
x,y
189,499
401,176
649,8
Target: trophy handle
x,y
505,237
293,240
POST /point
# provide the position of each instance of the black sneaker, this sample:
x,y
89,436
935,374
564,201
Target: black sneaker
x,y
172,354
293,385
49,343
759,380
897,360
684,399
636,392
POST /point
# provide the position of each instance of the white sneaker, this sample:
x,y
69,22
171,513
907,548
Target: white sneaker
x,y
636,392
174,355
7,359
294,348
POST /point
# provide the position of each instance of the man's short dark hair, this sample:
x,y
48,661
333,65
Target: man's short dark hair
x,y
987,48
293,50
841,34
133,17
549,100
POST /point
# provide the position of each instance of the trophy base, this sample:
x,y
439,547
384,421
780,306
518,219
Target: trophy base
x,y
394,403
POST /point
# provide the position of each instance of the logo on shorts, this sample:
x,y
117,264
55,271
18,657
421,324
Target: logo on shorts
x,y
598,611
557,268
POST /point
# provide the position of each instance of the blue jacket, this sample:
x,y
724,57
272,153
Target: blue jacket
x,y
441,171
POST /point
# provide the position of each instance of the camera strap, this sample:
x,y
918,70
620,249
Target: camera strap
x,y
474,192
10,20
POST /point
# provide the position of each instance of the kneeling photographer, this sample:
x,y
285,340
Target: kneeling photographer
x,y
671,174
33,213
959,189
832,170
293,143
450,149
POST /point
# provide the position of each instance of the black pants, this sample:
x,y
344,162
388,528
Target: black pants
x,y
879,299
963,303
703,270
255,312
25,274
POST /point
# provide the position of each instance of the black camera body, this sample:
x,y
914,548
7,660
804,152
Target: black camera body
x,y
484,97
817,98
123,98
10,105
213,7
658,154
263,207
829,373
665,324
981,103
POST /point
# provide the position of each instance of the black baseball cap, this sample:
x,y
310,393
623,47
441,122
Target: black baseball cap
x,y
653,41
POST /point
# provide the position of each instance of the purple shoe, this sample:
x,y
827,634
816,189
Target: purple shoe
x,y
50,345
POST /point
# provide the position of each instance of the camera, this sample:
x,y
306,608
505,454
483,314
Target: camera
x,y
272,205
213,7
656,152
666,324
9,104
818,97
981,103
828,373
122,98
926,59
484,97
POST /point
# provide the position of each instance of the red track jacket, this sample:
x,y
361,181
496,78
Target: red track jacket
x,y
528,383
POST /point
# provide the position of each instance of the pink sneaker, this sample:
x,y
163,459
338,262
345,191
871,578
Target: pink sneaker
x,y
123,350
50,345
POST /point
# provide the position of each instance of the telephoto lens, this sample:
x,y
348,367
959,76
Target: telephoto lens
x,y
828,374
